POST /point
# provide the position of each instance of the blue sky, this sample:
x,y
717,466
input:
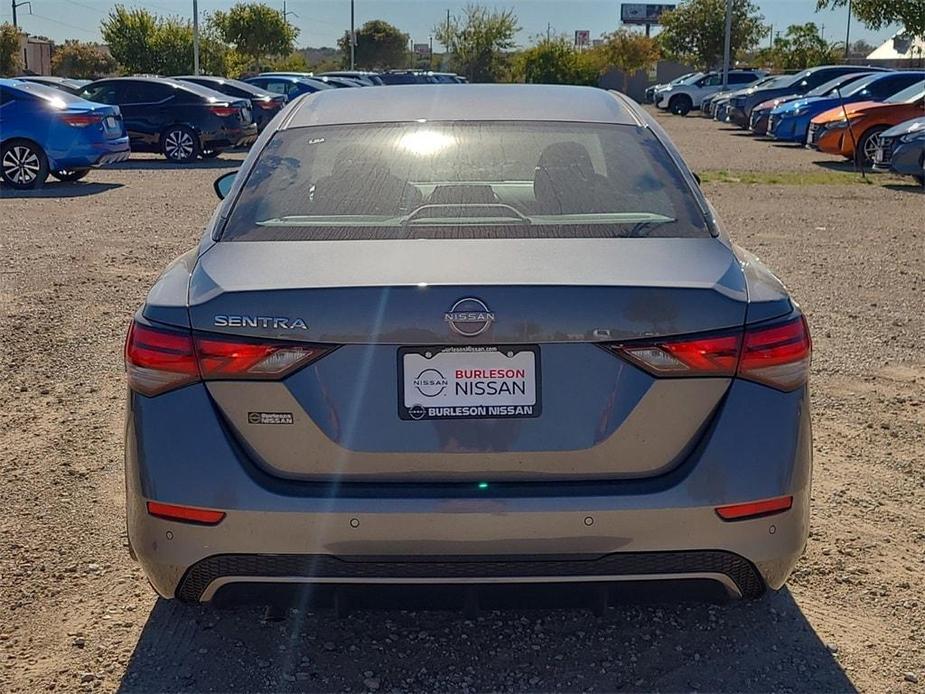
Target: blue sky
x,y
322,21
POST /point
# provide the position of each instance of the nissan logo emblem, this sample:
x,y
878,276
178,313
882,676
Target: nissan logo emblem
x,y
469,317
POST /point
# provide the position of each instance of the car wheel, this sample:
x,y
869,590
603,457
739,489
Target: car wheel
x,y
180,144
209,153
867,146
23,164
680,105
70,174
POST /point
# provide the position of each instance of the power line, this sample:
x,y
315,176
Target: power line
x,y
65,24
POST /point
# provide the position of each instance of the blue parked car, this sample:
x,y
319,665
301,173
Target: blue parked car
x,y
45,130
290,85
789,121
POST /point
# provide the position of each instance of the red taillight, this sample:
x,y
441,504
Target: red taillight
x,y
186,514
703,356
157,360
755,509
223,111
268,104
81,120
220,358
776,355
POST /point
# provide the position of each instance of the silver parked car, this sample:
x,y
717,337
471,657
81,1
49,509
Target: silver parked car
x,y
901,149
496,334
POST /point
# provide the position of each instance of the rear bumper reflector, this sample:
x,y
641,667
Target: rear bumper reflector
x,y
185,514
755,509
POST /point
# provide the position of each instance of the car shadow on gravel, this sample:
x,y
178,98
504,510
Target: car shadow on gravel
x,y
61,189
164,165
645,641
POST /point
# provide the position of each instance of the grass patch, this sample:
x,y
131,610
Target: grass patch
x,y
793,178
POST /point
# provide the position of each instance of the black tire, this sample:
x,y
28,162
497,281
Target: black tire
x,y
680,105
866,144
180,144
70,174
23,164
209,153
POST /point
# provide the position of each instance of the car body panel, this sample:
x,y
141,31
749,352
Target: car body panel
x,y
264,105
741,105
150,105
617,461
863,116
698,89
902,149
789,120
34,113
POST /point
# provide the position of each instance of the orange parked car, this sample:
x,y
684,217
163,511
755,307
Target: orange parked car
x,y
829,131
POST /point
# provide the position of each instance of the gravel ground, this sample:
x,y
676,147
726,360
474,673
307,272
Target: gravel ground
x,y
76,613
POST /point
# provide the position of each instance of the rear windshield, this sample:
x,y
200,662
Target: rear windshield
x,y
464,180
56,97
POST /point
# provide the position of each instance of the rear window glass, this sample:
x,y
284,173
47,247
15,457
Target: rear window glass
x,y
464,180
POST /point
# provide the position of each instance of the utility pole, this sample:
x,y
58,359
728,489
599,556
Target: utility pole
x,y
848,31
195,37
727,44
548,31
19,4
353,39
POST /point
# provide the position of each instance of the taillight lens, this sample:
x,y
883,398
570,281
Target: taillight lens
x,y
81,120
223,111
158,360
185,514
776,355
267,104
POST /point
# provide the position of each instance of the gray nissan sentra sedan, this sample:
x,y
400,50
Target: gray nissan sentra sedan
x,y
466,335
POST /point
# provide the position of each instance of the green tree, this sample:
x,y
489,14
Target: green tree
x,y
145,43
877,14
379,46
556,61
694,33
294,62
255,30
10,58
82,61
130,35
629,51
478,42
802,46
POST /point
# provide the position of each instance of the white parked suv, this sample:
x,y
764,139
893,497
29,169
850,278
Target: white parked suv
x,y
687,95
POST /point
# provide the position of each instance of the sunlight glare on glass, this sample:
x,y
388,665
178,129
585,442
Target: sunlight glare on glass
x,y
425,143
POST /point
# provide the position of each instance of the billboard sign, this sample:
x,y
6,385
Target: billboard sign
x,y
582,38
422,49
642,13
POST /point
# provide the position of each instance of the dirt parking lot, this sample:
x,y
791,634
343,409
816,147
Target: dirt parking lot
x,y
76,613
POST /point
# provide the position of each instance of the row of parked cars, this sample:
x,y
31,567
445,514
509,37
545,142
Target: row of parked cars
x,y
63,128
871,115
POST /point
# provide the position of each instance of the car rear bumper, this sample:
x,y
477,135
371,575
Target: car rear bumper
x,y
758,446
91,155
227,137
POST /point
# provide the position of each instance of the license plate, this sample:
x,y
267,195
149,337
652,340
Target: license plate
x,y
111,122
246,115
468,382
